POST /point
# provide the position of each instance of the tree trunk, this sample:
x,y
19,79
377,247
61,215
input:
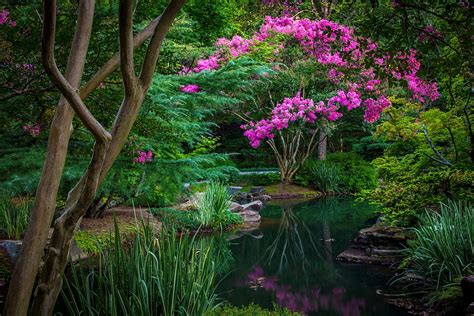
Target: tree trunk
x,y
26,268
82,195
323,144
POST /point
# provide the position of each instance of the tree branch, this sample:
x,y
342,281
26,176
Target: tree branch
x,y
49,63
113,63
440,159
151,57
126,45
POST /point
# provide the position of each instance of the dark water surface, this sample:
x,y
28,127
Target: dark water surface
x,y
290,261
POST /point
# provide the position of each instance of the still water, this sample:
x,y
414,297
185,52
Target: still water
x,y
290,260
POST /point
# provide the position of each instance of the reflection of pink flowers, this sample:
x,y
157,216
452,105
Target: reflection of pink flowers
x,y
143,157
190,88
307,300
33,129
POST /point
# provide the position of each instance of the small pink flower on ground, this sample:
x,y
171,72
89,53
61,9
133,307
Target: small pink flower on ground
x,y
190,88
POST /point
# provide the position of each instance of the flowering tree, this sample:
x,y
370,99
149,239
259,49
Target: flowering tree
x,y
358,74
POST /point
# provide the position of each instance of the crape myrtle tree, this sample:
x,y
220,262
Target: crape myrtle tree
x,y
351,71
106,148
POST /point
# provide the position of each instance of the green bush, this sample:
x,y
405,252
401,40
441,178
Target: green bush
x,y
326,176
404,197
180,220
251,309
442,251
14,215
166,276
213,207
341,172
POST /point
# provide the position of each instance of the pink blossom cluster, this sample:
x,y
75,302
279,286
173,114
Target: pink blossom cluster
x,y
143,157
310,300
290,110
5,19
360,71
190,88
32,129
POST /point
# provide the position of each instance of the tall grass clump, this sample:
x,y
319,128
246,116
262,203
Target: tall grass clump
x,y
326,177
14,215
442,251
213,207
168,275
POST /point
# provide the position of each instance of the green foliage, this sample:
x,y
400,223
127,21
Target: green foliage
x,y
404,193
251,309
257,179
180,220
340,172
187,272
14,215
443,250
166,276
92,243
213,207
325,176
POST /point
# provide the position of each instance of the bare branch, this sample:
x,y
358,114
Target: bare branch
x,y
126,45
151,57
49,63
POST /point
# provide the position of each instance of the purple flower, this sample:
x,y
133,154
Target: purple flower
x,y
190,88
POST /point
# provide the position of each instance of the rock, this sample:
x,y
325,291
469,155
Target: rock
x,y
235,207
264,198
467,286
256,191
250,216
357,255
470,309
382,235
233,190
254,206
191,203
9,252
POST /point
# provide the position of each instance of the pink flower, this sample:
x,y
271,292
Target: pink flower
x,y
190,88
5,19
143,157
33,129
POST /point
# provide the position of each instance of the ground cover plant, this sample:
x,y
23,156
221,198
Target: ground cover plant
x,y
442,252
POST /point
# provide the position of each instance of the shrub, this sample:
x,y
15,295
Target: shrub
x,y
326,177
165,276
14,215
404,197
340,172
258,179
443,250
180,220
213,207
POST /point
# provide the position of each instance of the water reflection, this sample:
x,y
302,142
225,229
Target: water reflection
x,y
293,264
292,241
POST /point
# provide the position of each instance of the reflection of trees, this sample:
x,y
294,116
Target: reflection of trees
x,y
292,243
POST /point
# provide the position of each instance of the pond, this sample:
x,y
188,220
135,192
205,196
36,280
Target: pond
x,y
290,261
